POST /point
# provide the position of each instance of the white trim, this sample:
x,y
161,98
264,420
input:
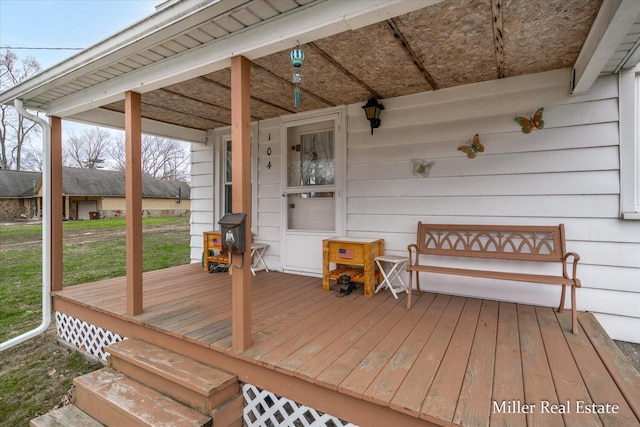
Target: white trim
x,y
303,25
629,104
338,115
219,137
114,119
162,25
609,29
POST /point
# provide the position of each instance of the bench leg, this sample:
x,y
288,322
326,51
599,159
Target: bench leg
x,y
561,306
410,289
574,314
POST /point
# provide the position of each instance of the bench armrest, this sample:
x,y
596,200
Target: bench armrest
x,y
576,258
411,248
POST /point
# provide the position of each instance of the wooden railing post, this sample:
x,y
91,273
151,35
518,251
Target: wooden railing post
x,y
133,137
55,251
241,198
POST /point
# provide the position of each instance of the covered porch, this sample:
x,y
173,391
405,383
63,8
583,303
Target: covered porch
x,y
448,361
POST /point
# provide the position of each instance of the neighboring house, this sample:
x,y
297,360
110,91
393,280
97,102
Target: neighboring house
x,y
444,72
90,193
18,199
102,192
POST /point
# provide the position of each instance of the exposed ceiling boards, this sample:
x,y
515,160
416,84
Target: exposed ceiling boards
x,y
398,48
444,45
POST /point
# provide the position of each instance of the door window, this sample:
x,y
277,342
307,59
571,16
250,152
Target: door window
x,y
311,203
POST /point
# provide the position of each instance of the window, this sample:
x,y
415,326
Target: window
x,y
629,88
311,177
227,177
222,176
312,161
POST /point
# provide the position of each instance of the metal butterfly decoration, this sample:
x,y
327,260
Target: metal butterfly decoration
x,y
474,148
534,122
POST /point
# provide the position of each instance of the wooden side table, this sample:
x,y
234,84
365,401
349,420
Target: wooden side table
x,y
351,251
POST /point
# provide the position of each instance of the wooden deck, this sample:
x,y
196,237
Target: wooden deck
x,y
447,361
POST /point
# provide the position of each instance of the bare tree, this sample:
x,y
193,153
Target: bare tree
x,y
14,129
88,150
33,158
161,158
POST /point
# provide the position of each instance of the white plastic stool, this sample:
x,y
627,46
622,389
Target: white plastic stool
x,y
398,263
257,250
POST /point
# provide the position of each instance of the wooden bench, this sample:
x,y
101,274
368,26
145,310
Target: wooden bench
x,y
521,243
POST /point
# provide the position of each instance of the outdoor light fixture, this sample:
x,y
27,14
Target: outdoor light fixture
x,y
372,110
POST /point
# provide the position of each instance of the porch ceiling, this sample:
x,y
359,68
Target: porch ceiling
x,y
398,48
444,45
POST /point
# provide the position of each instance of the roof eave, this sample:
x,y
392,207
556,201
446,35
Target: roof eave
x,y
610,27
164,23
318,19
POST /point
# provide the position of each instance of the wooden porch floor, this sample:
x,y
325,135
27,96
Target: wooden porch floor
x,y
447,361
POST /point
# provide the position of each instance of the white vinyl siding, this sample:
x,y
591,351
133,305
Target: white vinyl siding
x,y
202,194
568,172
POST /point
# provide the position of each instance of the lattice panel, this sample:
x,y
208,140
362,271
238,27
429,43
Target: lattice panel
x,y
265,409
85,336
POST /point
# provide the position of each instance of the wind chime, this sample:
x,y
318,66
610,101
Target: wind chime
x,y
297,58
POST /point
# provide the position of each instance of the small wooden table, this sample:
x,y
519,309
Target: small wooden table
x,y
351,251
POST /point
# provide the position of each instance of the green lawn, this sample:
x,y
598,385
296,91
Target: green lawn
x,y
36,375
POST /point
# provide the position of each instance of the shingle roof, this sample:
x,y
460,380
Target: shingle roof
x,y
18,184
90,182
97,182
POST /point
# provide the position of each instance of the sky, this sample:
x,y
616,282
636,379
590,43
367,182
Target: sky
x,y
65,24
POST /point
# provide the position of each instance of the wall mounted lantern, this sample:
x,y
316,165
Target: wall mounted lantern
x,y
372,110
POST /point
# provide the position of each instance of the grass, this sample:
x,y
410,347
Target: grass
x,y
36,376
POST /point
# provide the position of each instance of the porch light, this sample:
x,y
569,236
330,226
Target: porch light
x,y
372,111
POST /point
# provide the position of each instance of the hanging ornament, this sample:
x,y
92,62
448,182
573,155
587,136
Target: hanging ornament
x,y
297,58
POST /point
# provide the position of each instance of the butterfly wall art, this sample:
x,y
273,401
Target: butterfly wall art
x,y
421,168
474,147
529,124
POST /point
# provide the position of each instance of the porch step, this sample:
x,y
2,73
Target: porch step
x,y
116,400
188,381
67,416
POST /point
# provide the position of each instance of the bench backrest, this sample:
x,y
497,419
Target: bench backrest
x,y
531,243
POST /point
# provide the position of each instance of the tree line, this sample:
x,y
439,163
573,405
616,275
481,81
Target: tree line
x,y
92,147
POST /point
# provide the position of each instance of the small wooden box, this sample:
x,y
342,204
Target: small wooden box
x,y
212,244
353,252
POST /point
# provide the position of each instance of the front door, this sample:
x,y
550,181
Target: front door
x,y
312,192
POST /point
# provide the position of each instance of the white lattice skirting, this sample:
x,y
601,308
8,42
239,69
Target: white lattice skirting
x,y
85,336
262,408
265,409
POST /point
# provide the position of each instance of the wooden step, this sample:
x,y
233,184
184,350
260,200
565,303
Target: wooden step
x,y
67,416
114,399
193,383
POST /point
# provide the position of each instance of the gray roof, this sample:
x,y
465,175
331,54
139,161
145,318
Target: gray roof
x,y
18,184
89,182
97,182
